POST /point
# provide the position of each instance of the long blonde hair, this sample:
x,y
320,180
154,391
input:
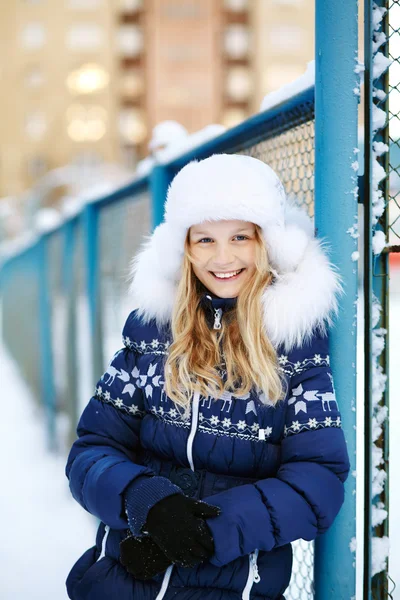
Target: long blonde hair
x,y
241,347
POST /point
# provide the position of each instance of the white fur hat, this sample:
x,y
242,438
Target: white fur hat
x,y
231,186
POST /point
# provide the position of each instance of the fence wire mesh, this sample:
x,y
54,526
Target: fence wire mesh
x,y
122,226
291,154
58,316
386,188
393,167
21,333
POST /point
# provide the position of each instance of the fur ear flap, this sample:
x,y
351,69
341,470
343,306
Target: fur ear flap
x,y
154,274
169,246
303,300
287,244
286,247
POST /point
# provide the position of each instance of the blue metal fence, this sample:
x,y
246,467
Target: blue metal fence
x,y
74,280
336,213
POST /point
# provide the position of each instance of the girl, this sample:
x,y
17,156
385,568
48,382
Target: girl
x,y
214,439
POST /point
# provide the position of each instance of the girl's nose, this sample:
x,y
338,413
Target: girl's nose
x,y
223,256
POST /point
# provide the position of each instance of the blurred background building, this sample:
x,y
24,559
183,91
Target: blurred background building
x,y
84,82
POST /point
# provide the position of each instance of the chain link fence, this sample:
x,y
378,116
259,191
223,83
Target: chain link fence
x,y
122,226
393,86
291,155
20,307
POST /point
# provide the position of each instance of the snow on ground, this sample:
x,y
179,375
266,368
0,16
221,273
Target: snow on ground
x,y
44,531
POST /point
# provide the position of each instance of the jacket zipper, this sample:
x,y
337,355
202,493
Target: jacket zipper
x,y
253,576
104,542
189,452
217,315
165,583
193,428
217,318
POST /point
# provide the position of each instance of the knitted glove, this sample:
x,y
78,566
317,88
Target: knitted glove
x,y
142,558
177,524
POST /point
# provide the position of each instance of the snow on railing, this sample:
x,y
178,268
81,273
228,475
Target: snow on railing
x,y
306,80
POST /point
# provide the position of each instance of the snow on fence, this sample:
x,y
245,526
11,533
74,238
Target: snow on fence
x,y
381,241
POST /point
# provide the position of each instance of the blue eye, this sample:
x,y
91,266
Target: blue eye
x,y
204,240
242,236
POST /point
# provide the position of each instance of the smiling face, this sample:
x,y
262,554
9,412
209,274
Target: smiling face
x,y
223,254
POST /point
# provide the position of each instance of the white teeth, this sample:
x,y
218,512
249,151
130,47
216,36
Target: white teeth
x,y
227,275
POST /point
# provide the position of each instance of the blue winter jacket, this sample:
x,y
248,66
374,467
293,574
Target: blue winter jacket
x,y
276,472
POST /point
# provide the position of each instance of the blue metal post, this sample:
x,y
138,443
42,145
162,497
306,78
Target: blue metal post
x,y
93,290
46,346
160,178
335,212
70,295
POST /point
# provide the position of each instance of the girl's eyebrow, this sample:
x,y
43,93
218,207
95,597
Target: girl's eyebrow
x,y
210,235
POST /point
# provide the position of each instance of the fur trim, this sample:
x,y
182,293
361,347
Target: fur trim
x,y
225,187
302,301
155,272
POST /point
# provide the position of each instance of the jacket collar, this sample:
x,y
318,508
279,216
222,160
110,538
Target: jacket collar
x,y
215,307
215,302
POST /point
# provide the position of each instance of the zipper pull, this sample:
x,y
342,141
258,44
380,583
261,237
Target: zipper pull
x,y
256,576
217,318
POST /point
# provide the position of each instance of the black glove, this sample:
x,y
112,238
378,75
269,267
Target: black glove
x,y
142,558
177,524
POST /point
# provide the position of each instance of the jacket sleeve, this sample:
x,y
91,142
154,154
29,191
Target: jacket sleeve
x,y
101,463
306,494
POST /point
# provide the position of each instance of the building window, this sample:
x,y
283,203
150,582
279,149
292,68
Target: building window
x,y
287,38
86,123
277,75
236,5
239,84
132,126
130,40
84,4
233,116
84,36
35,125
34,77
131,5
237,41
33,36
132,84
288,2
89,78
